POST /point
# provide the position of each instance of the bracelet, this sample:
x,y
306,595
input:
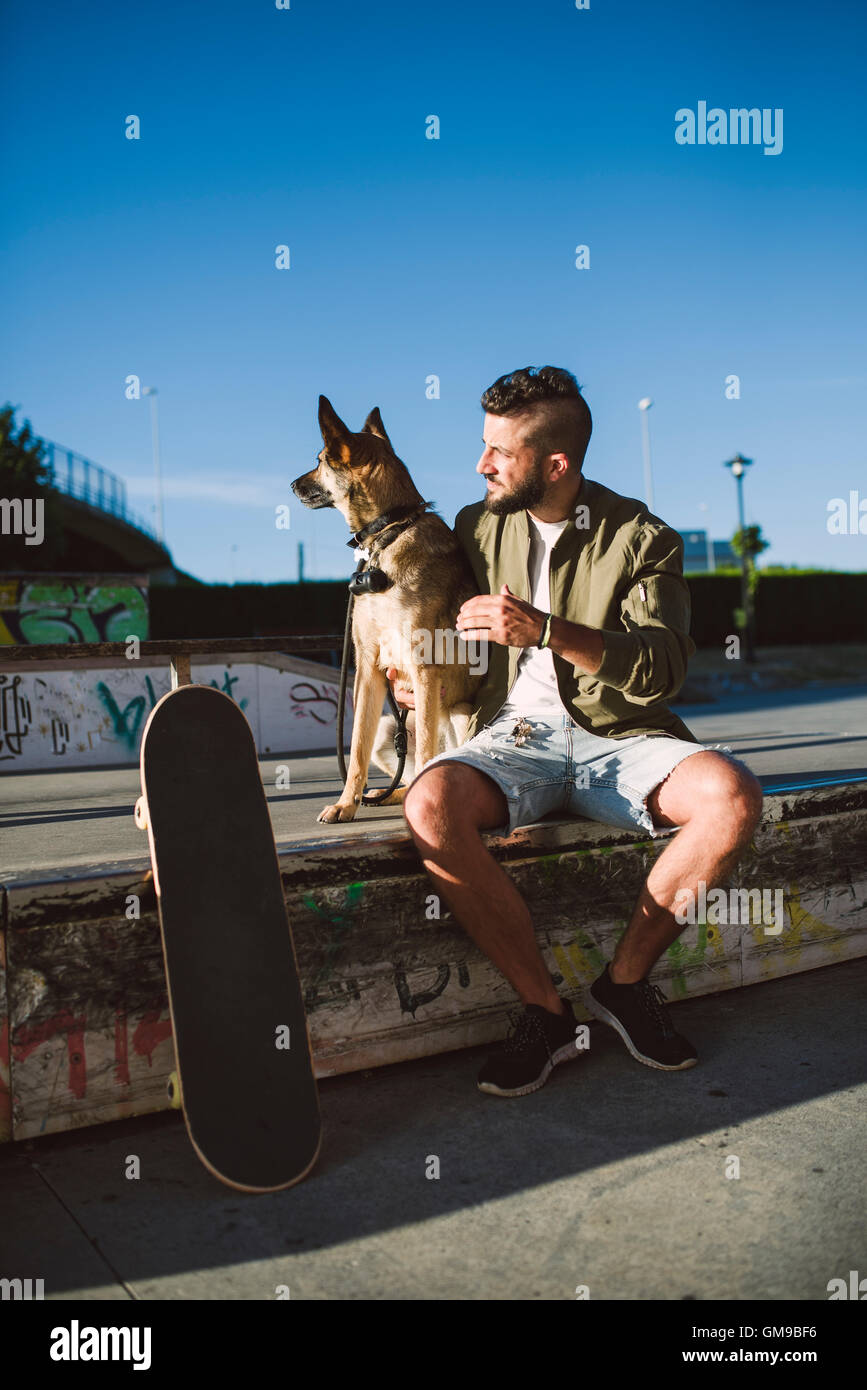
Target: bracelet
x,y
545,634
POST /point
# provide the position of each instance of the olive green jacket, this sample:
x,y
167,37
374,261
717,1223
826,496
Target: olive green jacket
x,y
617,568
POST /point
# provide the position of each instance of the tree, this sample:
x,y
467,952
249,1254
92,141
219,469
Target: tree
x,y
22,455
25,475
750,542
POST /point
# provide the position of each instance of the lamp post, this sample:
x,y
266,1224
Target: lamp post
x,y
644,405
155,438
711,566
739,466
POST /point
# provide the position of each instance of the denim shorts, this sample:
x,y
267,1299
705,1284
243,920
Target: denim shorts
x,y
563,768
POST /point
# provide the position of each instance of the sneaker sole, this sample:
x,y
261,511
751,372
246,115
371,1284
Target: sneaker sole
x,y
563,1054
605,1016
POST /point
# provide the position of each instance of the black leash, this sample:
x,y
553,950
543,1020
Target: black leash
x,y
355,586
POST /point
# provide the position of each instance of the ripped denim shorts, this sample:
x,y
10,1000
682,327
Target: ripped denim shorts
x,y
558,766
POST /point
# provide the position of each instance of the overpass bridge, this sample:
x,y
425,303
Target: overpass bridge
x,y
104,533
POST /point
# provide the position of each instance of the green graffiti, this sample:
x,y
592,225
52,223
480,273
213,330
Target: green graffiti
x,y
550,864
226,687
682,956
340,923
591,951
126,722
53,611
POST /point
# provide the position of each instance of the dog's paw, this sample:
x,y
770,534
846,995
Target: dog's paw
x,y
330,814
397,796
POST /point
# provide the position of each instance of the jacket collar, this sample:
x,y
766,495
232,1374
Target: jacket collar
x,y
589,496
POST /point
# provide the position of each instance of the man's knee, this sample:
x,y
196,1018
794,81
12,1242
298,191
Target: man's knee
x,y
750,797
420,802
453,795
738,791
714,787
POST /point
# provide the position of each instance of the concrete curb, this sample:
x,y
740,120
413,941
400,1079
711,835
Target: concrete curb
x,y
84,1029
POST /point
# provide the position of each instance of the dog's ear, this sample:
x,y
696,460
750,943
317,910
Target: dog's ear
x,y
373,425
334,433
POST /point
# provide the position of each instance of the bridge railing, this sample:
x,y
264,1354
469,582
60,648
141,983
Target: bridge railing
x,y
79,477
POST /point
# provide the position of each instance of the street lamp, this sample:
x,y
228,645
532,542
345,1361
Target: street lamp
x,y
644,405
155,437
739,466
711,567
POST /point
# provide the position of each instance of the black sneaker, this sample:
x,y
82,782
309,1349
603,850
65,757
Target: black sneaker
x,y
639,1014
538,1042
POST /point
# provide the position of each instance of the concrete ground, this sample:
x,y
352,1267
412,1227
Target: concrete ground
x,y
612,1176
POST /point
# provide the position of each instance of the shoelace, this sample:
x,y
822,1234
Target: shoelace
x,y
525,1029
654,1002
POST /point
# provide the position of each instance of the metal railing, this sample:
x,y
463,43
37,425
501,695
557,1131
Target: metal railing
x,y
69,653
78,477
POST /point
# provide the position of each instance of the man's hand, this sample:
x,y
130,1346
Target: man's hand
x,y
402,693
511,622
500,618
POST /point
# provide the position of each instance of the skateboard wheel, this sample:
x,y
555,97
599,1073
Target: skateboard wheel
x,y
141,813
173,1091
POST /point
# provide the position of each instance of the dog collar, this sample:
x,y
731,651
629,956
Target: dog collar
x,y
392,518
374,581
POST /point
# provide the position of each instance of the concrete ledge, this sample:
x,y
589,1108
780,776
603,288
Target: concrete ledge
x,y
84,1029
89,711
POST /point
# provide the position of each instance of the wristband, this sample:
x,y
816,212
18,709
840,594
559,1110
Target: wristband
x,y
545,634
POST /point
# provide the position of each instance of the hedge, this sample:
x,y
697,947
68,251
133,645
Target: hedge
x,y
791,609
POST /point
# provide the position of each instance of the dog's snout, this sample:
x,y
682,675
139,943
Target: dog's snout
x,y
308,491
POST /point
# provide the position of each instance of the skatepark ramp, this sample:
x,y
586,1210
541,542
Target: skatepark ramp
x,y
85,705
85,1035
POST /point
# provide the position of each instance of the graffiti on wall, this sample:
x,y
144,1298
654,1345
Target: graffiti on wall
x,y
314,701
85,718
46,609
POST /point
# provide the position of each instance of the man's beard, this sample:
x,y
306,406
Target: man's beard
x,y
523,495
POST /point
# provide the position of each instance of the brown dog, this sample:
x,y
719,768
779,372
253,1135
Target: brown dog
x,y
418,577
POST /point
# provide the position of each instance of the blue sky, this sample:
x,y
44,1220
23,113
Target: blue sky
x,y
454,257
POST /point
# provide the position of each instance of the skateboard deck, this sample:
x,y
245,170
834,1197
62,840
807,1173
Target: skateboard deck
x,y
245,1073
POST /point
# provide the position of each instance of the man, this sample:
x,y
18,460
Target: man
x,y
583,601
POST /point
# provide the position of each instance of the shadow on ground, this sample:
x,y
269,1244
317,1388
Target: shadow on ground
x,y
762,1049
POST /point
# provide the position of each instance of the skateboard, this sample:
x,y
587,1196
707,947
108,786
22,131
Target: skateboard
x,y
244,1071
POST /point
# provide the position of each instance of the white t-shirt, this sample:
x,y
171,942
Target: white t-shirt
x,y
535,690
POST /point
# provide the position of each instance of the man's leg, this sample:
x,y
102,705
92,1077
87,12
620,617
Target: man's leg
x,y
718,804
446,808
